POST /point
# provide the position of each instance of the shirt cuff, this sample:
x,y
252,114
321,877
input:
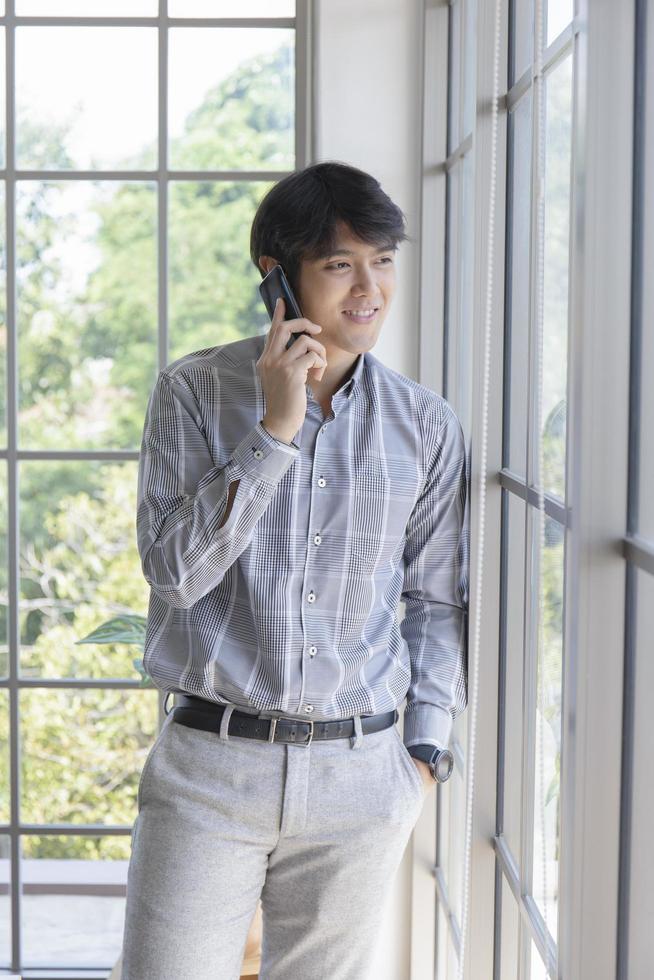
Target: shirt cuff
x,y
427,724
262,456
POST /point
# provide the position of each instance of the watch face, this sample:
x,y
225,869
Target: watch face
x,y
442,768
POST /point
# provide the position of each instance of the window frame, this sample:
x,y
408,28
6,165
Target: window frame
x,y
305,153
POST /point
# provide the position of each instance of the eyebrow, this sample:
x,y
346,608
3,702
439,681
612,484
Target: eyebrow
x,y
347,251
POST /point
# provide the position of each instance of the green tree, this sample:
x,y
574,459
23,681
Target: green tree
x,y
87,363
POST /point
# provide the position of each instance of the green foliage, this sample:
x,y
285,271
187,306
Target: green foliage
x,y
87,333
123,629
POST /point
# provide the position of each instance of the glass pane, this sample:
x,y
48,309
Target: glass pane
x,y
3,316
459,286
454,795
213,285
87,312
646,430
547,760
5,788
452,959
79,570
227,8
82,752
509,935
453,282
463,338
641,871
537,970
454,76
555,299
74,110
4,576
231,98
523,36
73,900
469,66
559,15
5,901
3,108
87,8
515,621
441,947
518,259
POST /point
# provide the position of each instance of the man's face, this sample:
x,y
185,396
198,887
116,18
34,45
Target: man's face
x,y
362,280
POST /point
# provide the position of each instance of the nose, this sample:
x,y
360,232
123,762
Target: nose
x,y
366,284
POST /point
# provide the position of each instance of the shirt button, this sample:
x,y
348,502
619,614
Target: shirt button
x,y
317,539
322,428
258,454
311,597
321,481
313,651
308,708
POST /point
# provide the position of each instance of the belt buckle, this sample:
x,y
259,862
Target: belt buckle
x,y
295,721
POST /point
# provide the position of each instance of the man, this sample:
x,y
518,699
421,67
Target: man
x,y
290,493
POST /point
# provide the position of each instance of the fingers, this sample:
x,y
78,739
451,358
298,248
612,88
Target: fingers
x,y
312,359
304,345
278,314
281,329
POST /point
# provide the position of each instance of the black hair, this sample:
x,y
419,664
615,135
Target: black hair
x,y
297,218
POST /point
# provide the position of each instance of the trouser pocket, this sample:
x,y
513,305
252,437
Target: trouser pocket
x,y
408,763
148,761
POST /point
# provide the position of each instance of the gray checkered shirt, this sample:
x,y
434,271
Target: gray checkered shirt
x,y
291,606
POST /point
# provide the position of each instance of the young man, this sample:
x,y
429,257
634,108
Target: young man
x,y
289,494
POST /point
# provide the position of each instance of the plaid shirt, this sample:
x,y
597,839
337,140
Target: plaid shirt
x,y
289,607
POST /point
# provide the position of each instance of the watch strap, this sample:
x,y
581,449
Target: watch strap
x,y
424,751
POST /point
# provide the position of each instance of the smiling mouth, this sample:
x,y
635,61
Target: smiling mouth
x,y
360,317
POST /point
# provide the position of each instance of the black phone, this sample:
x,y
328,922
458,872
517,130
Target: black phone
x,y
274,285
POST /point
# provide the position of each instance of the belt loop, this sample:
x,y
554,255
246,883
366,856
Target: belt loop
x,y
224,721
356,740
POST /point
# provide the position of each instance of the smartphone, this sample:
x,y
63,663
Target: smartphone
x,y
273,285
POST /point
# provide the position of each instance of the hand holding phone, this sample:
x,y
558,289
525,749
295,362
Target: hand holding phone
x,y
272,286
285,361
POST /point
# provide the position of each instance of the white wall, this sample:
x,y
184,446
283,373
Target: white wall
x,y
367,114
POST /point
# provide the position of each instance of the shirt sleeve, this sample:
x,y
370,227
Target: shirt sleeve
x,y
435,591
182,496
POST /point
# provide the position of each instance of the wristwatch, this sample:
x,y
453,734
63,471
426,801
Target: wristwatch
x,y
440,761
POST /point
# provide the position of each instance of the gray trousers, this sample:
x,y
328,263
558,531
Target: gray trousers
x,y
317,832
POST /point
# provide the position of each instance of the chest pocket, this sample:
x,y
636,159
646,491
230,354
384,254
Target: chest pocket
x,y
369,542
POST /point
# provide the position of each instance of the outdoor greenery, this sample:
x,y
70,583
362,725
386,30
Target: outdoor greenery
x,y
87,363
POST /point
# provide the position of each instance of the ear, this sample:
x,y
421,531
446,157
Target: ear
x,y
266,263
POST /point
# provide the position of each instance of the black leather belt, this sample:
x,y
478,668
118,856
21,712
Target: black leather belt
x,y
198,713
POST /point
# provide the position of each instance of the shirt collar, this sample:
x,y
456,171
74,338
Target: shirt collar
x,y
355,379
353,382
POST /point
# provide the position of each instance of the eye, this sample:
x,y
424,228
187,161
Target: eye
x,y
335,265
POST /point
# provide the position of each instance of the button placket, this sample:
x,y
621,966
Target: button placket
x,y
317,539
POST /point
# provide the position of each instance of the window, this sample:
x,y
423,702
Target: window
x,y
534,506
636,905
565,683
138,151
456,386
